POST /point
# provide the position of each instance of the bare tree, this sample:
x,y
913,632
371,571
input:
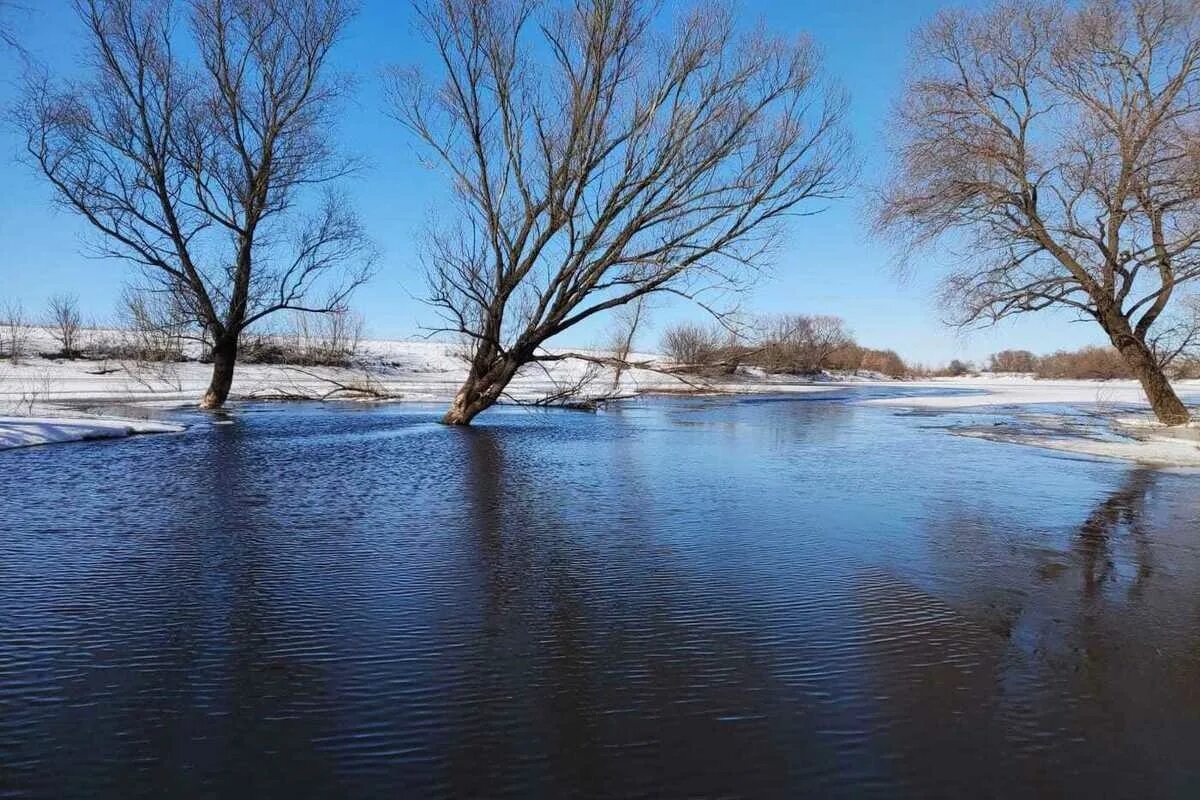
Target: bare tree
x,y
65,322
14,331
595,161
629,320
1061,141
8,36
191,155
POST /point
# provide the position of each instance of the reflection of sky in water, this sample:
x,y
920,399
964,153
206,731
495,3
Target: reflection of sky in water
x,y
763,596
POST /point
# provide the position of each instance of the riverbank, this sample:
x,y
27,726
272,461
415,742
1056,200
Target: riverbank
x,y
1098,419
42,396
419,371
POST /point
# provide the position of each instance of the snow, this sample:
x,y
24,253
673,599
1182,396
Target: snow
x,y
29,431
1157,452
1014,390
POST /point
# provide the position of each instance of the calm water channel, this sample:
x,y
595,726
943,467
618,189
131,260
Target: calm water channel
x,y
752,597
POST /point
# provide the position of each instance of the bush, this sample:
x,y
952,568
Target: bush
x,y
156,327
1185,369
792,344
798,344
887,362
696,344
1013,361
14,331
329,339
957,369
848,358
1090,363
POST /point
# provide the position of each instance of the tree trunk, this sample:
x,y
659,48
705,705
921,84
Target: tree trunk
x,y
479,392
224,357
1164,402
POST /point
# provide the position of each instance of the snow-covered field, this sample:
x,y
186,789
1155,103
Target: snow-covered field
x,y
40,395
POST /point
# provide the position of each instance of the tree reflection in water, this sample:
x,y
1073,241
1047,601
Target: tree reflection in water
x,y
1017,658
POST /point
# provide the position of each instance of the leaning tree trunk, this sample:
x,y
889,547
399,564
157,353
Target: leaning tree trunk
x,y
224,357
480,391
1167,406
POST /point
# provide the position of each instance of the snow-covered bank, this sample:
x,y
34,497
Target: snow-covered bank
x,y
30,431
433,371
1155,452
1103,427
410,370
994,391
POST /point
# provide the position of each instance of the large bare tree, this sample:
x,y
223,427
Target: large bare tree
x,y
8,36
1060,145
194,148
598,156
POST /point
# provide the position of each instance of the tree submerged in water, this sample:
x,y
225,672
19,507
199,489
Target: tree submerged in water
x,y
596,160
1061,143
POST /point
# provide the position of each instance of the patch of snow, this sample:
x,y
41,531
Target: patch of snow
x,y
1155,451
30,431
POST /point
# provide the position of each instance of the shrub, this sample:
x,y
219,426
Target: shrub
x,y
155,327
957,369
329,339
695,344
1013,361
1092,363
799,344
886,362
14,331
848,358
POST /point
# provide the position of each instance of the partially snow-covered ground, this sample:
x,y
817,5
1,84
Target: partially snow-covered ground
x,y
1091,418
432,371
1024,390
409,370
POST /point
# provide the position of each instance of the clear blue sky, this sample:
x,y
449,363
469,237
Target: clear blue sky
x,y
828,265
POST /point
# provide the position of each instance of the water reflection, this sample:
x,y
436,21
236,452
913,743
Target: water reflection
x,y
587,658
1114,537
1090,622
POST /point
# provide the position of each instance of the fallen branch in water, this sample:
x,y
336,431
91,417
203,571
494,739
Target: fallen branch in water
x,y
365,388
677,372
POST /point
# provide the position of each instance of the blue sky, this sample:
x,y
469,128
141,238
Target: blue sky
x,y
829,263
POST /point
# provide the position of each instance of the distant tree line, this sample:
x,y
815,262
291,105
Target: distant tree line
x,y
1094,362
794,344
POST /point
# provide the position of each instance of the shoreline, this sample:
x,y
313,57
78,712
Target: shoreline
x,y
52,392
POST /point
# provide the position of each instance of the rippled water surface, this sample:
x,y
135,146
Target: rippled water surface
x,y
770,597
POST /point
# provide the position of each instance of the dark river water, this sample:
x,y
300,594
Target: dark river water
x,y
765,598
